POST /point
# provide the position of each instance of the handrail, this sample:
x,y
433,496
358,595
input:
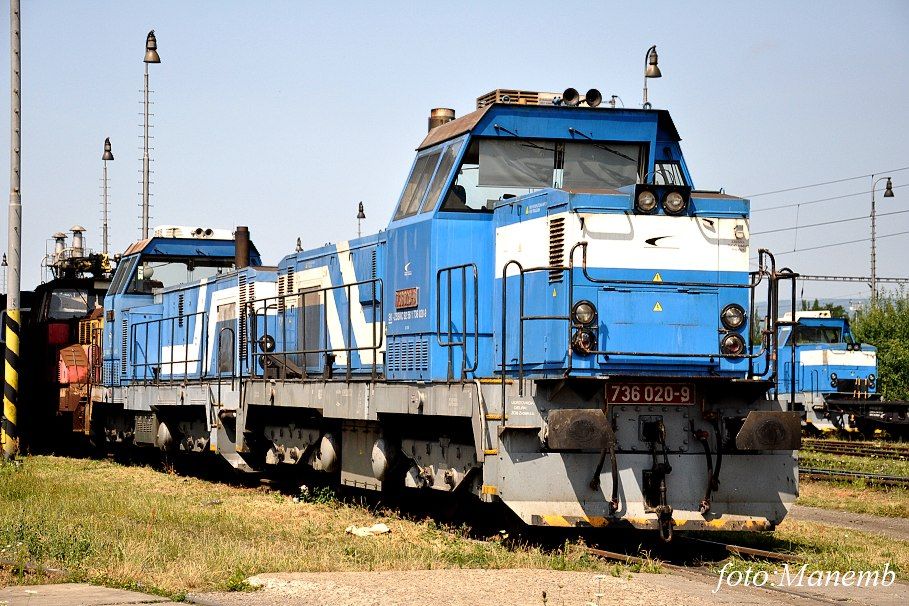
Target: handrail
x,y
156,367
450,344
768,345
233,359
261,307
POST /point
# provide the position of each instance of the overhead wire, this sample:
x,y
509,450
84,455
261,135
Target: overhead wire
x,y
834,222
780,191
791,204
789,252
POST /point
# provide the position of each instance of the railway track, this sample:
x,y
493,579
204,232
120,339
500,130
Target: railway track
x,y
857,449
840,475
709,576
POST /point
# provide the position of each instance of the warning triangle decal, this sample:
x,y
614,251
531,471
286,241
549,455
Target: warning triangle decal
x,y
657,307
657,277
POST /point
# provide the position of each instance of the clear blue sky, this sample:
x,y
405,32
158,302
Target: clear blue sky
x,y
283,115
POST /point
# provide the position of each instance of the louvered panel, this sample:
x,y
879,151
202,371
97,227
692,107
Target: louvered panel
x,y
244,300
556,248
124,344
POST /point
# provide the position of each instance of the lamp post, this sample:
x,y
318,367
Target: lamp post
x,y
151,56
888,193
105,157
651,70
360,216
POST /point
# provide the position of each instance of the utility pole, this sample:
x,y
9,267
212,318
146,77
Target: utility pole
x,y
888,193
105,157
151,56
12,331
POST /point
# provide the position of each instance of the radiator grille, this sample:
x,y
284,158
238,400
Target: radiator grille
x,y
124,345
244,294
556,248
180,303
408,355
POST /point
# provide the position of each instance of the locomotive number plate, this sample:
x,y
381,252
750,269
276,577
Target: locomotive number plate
x,y
650,393
407,298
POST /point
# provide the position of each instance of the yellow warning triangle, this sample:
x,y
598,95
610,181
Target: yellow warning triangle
x,y
657,277
657,307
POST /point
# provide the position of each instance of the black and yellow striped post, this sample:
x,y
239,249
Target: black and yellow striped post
x,y
8,432
13,330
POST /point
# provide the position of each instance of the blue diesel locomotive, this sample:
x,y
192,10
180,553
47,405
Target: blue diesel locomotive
x,y
554,318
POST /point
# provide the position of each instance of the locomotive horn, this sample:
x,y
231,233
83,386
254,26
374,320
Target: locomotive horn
x,y
571,97
593,97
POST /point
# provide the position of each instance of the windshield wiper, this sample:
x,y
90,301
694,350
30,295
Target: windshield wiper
x,y
575,131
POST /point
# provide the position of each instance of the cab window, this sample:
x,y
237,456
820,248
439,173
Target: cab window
x,y
498,169
442,173
668,173
151,274
417,184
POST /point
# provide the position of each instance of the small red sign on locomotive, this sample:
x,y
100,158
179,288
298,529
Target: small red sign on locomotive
x,y
407,298
650,393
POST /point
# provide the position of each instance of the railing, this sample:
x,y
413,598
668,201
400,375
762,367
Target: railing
x,y
285,361
154,368
768,342
462,336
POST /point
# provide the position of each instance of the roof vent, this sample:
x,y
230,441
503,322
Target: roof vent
x,y
440,116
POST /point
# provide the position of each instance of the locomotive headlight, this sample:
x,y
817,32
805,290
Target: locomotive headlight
x,y
646,201
833,379
584,341
733,316
733,346
674,203
267,343
584,313
871,378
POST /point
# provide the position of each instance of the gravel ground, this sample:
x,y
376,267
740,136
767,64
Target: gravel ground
x,y
526,587
449,587
895,528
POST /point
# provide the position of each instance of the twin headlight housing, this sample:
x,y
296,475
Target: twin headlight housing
x,y
584,317
733,319
673,199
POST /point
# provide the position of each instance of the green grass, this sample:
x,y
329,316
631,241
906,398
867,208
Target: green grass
x,y
854,496
820,460
822,548
138,528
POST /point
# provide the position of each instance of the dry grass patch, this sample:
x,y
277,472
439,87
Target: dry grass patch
x,y
822,547
855,497
139,528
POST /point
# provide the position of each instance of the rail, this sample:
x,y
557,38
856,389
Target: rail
x,y
838,475
857,449
450,343
292,364
152,369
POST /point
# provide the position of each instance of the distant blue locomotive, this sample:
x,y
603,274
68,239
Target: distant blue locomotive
x,y
835,378
553,318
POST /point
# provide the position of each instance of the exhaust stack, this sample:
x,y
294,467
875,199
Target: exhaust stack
x,y
241,247
440,116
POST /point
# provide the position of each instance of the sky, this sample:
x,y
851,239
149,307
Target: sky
x,y
284,115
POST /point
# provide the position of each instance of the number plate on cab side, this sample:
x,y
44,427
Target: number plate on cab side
x,y
650,393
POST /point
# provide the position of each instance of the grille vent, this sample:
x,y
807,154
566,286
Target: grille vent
x,y
180,303
556,248
124,344
244,294
409,355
